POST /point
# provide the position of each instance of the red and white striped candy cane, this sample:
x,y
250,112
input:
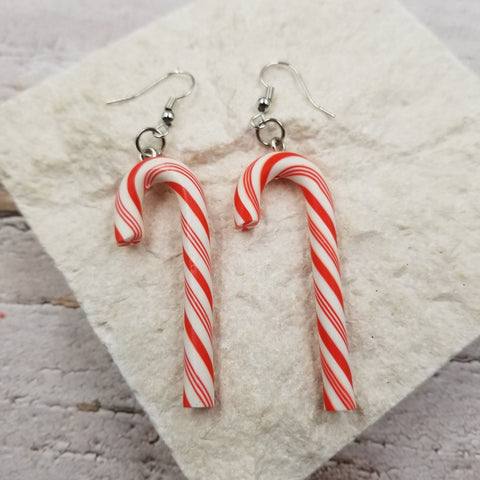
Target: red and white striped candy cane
x,y
198,353
337,378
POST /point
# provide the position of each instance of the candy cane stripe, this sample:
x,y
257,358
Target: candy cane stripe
x,y
197,243
199,346
337,377
134,195
129,220
198,388
198,277
338,374
307,174
321,212
327,276
334,350
326,259
186,403
195,385
180,191
329,393
335,389
198,310
329,312
199,384
327,402
320,238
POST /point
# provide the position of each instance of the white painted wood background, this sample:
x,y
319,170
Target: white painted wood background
x,y
65,411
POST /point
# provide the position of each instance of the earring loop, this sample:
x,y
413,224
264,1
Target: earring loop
x,y
277,140
146,152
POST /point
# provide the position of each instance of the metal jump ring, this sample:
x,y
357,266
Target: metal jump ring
x,y
277,144
148,151
275,139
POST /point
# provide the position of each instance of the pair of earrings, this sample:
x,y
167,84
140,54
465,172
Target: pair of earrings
x,y
156,168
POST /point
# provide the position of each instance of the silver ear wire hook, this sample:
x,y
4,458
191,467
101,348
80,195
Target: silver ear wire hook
x,y
266,100
260,120
155,83
161,130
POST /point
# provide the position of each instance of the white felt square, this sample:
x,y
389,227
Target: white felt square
x,y
401,159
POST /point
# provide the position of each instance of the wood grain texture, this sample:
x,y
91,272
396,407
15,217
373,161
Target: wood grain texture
x,y
66,411
7,205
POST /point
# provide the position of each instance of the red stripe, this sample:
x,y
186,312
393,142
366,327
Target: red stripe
x,y
135,232
311,173
320,238
132,189
190,201
334,351
326,401
248,221
241,209
118,237
198,309
166,167
199,346
202,392
129,220
196,243
127,216
320,211
197,386
193,379
269,164
250,189
327,276
331,314
178,188
186,403
339,389
197,275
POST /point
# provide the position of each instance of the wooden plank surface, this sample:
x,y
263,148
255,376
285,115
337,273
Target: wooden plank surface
x,y
7,205
65,410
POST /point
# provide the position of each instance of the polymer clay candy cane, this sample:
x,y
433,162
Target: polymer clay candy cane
x,y
198,353
337,378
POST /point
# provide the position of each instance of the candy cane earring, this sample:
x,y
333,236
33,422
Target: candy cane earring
x,y
155,168
337,378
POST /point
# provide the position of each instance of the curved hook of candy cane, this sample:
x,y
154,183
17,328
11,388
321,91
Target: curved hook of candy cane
x,y
198,351
337,377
